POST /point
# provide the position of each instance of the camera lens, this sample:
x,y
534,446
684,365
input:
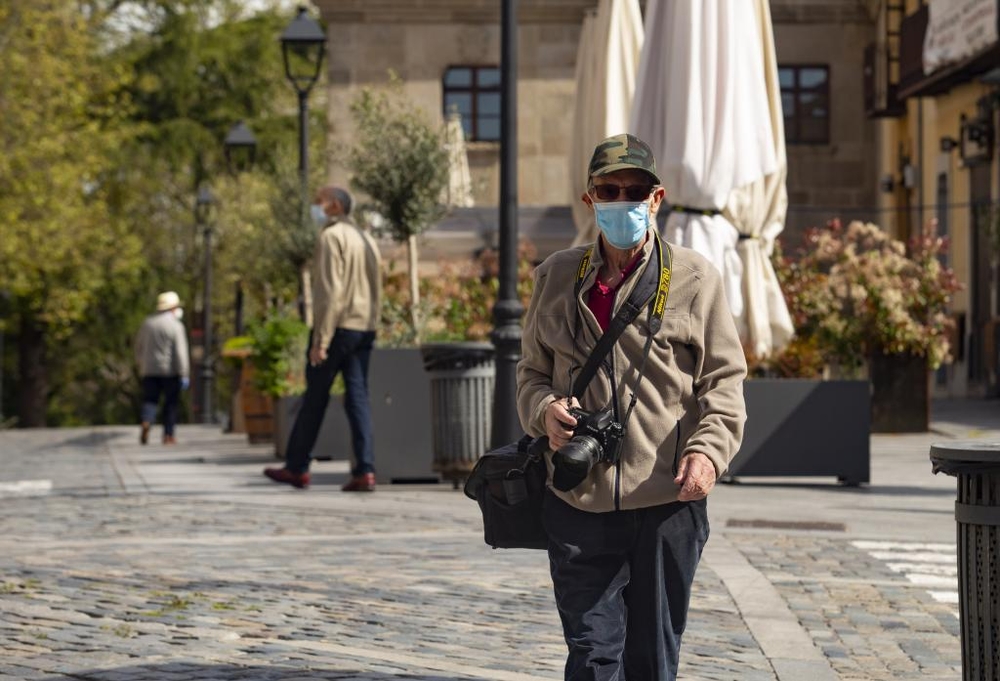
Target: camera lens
x,y
573,461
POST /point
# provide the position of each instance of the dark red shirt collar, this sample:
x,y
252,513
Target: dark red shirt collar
x,y
601,299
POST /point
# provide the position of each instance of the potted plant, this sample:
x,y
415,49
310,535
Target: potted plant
x,y
399,161
271,354
876,310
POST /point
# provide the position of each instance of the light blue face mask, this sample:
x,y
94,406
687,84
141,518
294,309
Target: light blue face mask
x,y
318,214
623,223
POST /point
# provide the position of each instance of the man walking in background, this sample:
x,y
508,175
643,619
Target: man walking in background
x,y
347,289
161,351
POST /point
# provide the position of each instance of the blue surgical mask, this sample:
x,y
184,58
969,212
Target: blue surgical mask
x,y
623,223
318,214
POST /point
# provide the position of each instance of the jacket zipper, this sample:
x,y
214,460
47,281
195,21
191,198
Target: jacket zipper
x,y
677,450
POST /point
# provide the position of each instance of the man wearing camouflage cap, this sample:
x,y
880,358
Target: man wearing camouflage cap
x,y
626,530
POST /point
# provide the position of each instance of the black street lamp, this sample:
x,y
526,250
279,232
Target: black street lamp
x,y
241,148
204,207
507,312
302,46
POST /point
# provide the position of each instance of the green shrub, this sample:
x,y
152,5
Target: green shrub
x,y
278,345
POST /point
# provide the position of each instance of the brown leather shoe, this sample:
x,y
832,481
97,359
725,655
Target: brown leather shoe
x,y
298,480
169,440
361,483
144,434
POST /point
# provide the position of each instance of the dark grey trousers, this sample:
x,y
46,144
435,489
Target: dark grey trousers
x,y
622,583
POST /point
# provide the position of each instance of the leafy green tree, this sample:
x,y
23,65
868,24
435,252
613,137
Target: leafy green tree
x,y
399,160
63,249
203,66
113,112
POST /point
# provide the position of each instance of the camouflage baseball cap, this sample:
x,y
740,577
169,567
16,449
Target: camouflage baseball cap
x,y
622,152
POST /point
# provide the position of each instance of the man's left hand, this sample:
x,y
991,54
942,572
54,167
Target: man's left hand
x,y
695,476
317,355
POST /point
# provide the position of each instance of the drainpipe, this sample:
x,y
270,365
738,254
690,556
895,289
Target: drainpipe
x,y
920,167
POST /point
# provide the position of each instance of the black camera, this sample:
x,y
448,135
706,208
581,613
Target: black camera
x,y
597,437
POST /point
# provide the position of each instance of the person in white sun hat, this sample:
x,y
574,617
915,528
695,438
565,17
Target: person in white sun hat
x,y
161,351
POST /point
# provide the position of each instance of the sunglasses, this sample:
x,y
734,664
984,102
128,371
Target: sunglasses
x,y
611,192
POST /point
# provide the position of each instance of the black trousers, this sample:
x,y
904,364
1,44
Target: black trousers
x,y
170,388
348,354
622,583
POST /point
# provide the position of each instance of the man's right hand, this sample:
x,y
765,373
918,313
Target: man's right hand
x,y
559,422
317,355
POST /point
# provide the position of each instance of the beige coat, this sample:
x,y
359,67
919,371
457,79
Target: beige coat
x,y
347,282
690,397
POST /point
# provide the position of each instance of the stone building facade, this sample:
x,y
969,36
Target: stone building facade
x,y
820,42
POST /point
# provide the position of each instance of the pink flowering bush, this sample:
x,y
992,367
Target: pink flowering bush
x,y
854,291
456,304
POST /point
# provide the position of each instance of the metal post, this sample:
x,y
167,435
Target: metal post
x,y
304,156
207,372
507,312
4,315
1,377
303,180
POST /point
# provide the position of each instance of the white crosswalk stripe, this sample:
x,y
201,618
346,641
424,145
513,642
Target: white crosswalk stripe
x,y
933,566
25,488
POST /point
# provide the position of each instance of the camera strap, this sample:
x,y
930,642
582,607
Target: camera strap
x,y
652,288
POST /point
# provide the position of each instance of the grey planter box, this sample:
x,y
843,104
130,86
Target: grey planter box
x,y
401,419
800,427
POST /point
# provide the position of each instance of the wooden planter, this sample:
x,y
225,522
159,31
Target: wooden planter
x,y
258,408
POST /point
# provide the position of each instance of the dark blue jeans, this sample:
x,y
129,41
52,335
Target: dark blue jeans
x,y
622,584
152,388
348,353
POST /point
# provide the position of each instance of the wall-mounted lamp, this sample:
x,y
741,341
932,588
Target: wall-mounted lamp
x,y
909,176
887,183
976,136
947,144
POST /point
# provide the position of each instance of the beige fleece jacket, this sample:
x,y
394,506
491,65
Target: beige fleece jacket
x,y
347,282
690,398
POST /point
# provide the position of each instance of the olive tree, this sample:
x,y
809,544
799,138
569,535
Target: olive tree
x,y
399,160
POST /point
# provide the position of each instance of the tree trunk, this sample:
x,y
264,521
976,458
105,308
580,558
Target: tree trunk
x,y
33,390
411,249
305,281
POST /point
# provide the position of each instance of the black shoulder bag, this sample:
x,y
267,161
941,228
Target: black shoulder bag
x,y
508,483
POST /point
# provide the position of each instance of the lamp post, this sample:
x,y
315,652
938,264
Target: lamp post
x,y
241,151
4,311
302,46
204,206
507,312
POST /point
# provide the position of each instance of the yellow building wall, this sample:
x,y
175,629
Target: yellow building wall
x,y
916,138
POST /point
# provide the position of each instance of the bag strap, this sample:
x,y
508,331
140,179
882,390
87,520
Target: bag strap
x,y
652,281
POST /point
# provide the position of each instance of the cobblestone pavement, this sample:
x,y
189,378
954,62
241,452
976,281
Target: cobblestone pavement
x,y
125,563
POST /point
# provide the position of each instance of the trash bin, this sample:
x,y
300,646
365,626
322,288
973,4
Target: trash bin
x,y
977,514
462,377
